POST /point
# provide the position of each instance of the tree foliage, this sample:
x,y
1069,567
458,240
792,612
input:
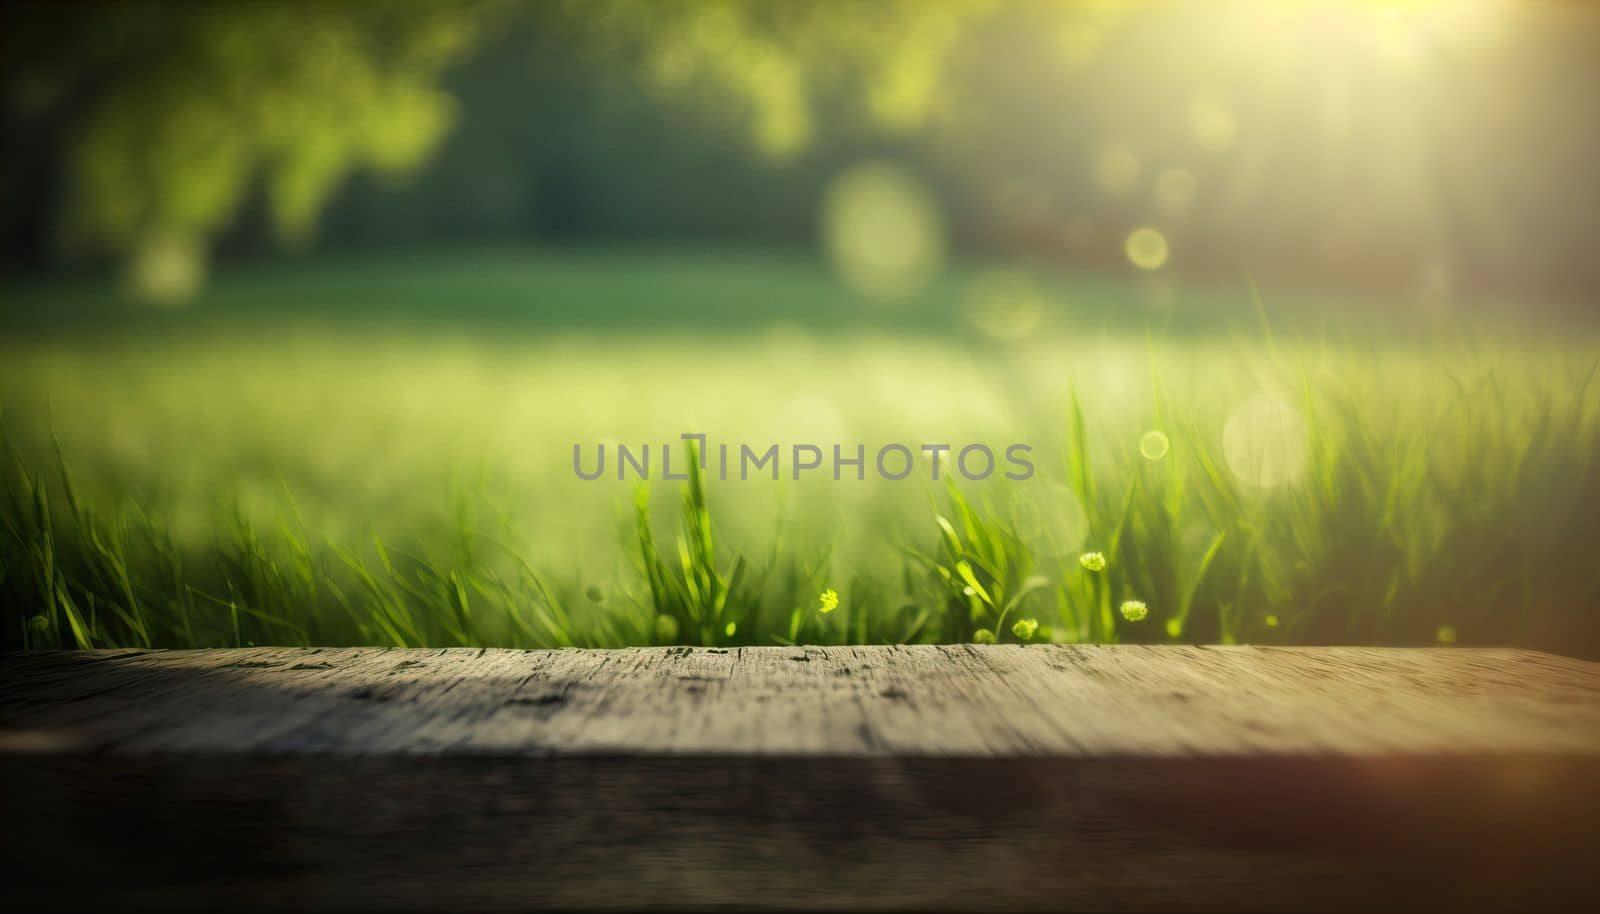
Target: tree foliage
x,y
297,96
771,61
180,114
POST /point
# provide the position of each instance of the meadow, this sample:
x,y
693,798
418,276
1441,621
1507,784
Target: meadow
x,y
380,452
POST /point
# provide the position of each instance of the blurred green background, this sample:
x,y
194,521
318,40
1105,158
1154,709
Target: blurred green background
x,y
307,304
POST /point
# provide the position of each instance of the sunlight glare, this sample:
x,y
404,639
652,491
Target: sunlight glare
x,y
883,231
1265,441
1147,248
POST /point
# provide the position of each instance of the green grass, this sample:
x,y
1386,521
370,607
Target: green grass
x,y
332,475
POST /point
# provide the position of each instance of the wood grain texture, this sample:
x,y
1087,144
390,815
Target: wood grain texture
x,y
1044,777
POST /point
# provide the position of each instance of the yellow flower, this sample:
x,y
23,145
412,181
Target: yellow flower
x,y
1093,561
983,636
1134,610
830,601
1024,628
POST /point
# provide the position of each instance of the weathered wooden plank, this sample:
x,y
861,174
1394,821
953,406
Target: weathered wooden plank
x,y
857,777
885,701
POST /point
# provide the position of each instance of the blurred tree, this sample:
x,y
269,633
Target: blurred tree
x,y
185,111
177,116
773,60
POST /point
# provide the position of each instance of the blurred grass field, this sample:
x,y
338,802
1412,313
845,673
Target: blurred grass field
x,y
380,452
